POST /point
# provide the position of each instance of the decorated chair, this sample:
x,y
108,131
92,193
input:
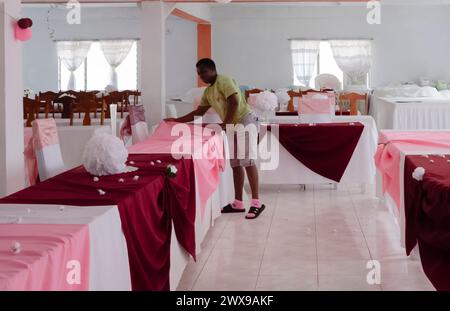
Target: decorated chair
x,y
135,125
47,149
318,108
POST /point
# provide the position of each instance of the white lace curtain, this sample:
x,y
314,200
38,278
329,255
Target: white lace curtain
x,y
72,55
304,59
354,58
116,51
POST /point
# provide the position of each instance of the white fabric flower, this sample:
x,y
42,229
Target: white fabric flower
x,y
171,170
121,180
136,178
418,173
105,154
16,248
101,192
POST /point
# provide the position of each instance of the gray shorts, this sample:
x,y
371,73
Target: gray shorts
x,y
245,146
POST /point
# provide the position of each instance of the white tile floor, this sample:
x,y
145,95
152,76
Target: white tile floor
x,y
318,239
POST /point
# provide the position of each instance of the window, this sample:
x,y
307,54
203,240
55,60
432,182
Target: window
x,y
326,61
95,72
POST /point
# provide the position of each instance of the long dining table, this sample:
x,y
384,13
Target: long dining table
x,y
135,230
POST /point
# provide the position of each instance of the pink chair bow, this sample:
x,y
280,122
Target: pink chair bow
x,y
316,108
135,125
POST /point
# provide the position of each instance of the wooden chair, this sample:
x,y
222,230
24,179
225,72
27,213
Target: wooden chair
x,y
118,98
293,95
252,91
353,99
47,100
88,103
31,109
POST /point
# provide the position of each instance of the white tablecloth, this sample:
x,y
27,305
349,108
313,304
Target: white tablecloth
x,y
406,113
361,168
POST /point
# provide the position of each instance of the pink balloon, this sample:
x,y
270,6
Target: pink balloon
x,y
22,34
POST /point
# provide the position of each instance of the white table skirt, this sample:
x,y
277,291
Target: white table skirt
x,y
411,113
361,168
109,267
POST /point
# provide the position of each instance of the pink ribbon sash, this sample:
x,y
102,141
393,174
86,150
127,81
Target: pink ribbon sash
x,y
392,144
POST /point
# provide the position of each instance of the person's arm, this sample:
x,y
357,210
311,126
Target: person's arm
x,y
233,104
200,111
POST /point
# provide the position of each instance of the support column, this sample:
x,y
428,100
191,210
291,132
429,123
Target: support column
x,y
203,44
11,107
153,79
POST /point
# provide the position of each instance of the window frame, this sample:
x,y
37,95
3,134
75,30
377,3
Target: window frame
x,y
297,83
86,67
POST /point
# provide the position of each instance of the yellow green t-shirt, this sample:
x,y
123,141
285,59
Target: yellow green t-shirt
x,y
216,95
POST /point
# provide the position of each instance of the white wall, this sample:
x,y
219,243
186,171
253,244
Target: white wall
x,y
181,56
251,42
40,58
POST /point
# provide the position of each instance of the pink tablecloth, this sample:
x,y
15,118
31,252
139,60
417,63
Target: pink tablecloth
x,y
189,141
393,144
52,257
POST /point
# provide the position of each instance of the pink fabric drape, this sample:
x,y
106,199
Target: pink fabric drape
x,y
52,257
392,144
136,114
206,149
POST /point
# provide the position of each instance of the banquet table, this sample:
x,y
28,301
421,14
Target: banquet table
x,y
393,148
150,208
427,206
406,113
320,158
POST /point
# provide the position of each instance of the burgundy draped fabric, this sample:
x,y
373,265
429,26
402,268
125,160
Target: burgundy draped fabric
x,y
147,208
295,113
427,215
324,148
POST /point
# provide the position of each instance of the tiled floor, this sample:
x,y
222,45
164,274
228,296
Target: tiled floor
x,y
318,239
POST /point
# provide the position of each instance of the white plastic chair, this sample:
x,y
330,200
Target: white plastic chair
x,y
327,81
47,149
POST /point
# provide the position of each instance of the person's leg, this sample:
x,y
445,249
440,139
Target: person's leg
x,y
253,179
238,178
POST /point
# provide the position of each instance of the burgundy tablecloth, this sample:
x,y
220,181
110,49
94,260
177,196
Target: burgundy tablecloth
x,y
295,113
147,207
427,215
324,148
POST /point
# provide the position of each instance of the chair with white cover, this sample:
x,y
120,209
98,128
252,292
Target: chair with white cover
x,y
171,111
139,127
317,108
328,81
47,148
